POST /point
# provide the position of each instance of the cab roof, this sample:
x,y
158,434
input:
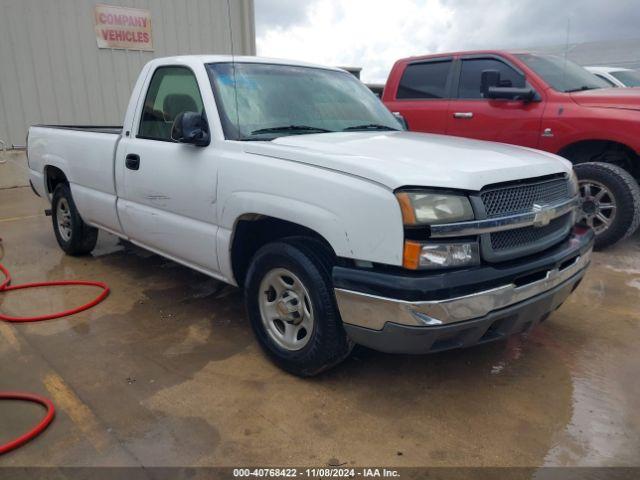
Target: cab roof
x,y
204,59
462,53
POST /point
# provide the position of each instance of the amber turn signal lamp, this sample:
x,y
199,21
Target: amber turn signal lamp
x,y
408,212
411,257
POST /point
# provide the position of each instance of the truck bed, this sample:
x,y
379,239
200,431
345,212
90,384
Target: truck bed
x,y
113,129
86,156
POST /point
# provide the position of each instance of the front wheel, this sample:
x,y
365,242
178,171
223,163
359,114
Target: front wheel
x,y
73,235
610,201
292,307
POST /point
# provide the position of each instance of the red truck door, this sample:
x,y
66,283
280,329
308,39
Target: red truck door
x,y
421,92
470,115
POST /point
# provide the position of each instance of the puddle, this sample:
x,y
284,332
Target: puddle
x,y
635,283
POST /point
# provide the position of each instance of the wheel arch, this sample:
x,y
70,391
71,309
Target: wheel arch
x,y
53,176
605,151
356,219
251,231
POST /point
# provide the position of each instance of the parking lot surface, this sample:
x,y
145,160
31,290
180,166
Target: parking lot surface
x,y
166,372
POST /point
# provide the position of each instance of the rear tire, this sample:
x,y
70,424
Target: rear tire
x,y
610,201
292,307
73,235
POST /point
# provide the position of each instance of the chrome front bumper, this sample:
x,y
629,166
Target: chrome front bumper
x,y
373,312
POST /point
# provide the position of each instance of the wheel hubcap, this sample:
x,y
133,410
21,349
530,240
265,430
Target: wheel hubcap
x,y
285,308
63,216
598,205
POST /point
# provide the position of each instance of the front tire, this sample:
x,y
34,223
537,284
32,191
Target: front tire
x,y
610,201
292,308
73,235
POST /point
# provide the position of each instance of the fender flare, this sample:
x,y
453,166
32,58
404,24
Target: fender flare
x,y
56,162
322,221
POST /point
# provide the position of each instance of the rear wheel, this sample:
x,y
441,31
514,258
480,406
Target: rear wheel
x,y
73,235
610,201
292,307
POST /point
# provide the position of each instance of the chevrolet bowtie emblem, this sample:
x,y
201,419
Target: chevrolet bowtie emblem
x,y
542,215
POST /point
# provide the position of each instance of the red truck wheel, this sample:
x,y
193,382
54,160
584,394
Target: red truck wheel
x,y
610,201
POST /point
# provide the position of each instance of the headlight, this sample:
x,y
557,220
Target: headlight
x,y
573,183
418,256
426,208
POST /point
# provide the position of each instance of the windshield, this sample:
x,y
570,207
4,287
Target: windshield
x,y
562,75
277,100
630,78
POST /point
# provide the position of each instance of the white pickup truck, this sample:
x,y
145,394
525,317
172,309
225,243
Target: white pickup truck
x,y
294,182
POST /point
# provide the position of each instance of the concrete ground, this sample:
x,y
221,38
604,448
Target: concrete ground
x,y
13,169
166,372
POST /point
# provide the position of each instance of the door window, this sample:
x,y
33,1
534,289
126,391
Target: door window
x,y
471,72
173,90
425,80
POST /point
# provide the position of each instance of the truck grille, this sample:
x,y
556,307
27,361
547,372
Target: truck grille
x,y
520,198
521,237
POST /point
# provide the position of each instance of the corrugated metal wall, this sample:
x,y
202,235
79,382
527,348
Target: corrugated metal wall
x,y
51,70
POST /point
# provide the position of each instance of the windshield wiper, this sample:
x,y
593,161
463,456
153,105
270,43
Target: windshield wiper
x,y
290,128
370,126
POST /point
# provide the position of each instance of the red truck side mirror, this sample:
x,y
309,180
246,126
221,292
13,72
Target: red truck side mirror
x,y
488,79
525,94
490,87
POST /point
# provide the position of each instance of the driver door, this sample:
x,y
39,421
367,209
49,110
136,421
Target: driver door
x,y
498,120
167,190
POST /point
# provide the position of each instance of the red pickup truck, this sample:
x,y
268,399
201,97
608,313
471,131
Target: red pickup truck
x,y
538,101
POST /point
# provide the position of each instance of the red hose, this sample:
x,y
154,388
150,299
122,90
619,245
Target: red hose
x,y
29,397
5,287
38,429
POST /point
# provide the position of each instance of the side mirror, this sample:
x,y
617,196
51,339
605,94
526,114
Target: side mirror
x,y
488,79
525,94
491,86
191,127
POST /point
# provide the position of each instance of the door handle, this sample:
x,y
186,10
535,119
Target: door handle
x,y
132,161
463,115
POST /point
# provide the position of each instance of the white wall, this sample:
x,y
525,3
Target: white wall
x,y
51,70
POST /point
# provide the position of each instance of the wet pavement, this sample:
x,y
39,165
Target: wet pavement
x,y
166,372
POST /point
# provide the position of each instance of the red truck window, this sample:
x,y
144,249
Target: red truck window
x,y
471,72
425,80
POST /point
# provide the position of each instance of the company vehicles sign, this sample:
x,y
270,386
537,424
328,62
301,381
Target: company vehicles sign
x,y
122,27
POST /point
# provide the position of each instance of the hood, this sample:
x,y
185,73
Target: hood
x,y
397,159
627,98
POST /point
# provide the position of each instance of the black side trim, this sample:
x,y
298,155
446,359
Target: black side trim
x,y
168,140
